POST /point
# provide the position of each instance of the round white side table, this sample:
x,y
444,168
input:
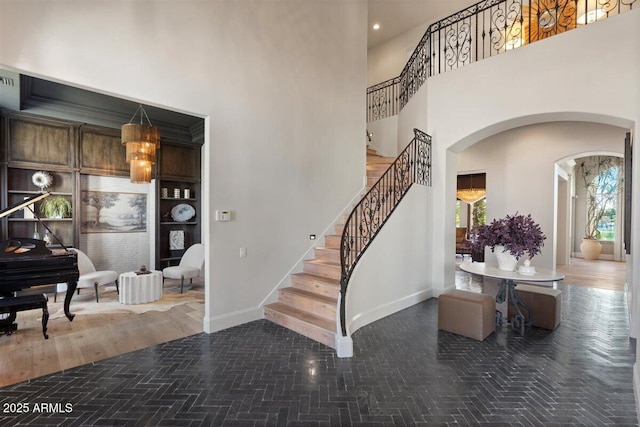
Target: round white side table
x,y
140,288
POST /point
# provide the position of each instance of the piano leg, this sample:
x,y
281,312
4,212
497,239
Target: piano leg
x,y
6,323
71,288
45,319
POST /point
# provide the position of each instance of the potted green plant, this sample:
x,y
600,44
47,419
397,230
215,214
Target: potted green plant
x,y
600,179
56,207
514,236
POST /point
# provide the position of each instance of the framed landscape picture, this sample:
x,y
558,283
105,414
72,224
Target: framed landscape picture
x,y
111,212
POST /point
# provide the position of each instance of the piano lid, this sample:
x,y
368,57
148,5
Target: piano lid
x,y
23,204
22,248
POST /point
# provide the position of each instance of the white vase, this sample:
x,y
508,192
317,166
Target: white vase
x,y
506,261
590,248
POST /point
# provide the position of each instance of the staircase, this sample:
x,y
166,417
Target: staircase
x,y
309,305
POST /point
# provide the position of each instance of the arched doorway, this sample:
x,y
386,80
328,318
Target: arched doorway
x,y
521,170
595,203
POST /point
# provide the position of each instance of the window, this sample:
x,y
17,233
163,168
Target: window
x,y
606,195
478,213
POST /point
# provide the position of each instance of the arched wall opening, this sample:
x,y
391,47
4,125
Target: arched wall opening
x,y
520,157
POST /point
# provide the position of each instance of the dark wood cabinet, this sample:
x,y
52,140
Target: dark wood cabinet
x,y
38,143
20,186
101,152
28,145
67,150
179,192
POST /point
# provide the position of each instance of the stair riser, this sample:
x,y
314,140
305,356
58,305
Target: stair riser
x,y
332,242
314,286
336,242
332,255
325,337
323,309
373,180
330,271
375,173
375,160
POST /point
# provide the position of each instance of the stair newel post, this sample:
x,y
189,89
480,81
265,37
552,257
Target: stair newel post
x,y
343,298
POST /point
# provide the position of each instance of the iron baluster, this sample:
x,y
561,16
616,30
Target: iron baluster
x,y
505,25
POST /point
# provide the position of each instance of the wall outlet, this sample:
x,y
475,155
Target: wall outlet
x,y
243,252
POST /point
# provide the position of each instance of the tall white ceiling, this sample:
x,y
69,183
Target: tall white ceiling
x,y
397,16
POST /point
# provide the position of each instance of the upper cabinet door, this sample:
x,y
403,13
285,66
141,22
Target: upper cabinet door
x,y
39,143
102,152
179,162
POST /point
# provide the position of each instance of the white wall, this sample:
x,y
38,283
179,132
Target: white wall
x,y
281,85
520,168
386,60
385,136
392,274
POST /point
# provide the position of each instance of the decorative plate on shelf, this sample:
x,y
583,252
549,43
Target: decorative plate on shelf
x,y
182,212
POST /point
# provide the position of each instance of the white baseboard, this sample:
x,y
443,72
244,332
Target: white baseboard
x,y
377,313
438,292
636,387
218,323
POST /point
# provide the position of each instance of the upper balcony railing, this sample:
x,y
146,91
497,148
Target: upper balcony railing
x,y
486,29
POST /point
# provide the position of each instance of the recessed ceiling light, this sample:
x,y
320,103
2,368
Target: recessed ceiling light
x,y
376,26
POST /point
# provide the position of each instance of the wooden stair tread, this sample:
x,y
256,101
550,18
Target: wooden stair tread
x,y
326,248
378,160
311,295
317,278
323,262
305,316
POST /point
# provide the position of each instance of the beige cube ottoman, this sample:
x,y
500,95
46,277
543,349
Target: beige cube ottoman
x,y
465,313
545,305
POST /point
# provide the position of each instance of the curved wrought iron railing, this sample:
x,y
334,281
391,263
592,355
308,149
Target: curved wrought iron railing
x,y
486,29
413,165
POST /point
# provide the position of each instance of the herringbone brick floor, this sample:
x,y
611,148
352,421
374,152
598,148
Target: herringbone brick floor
x,y
405,372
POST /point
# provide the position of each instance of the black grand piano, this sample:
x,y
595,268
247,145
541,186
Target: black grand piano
x,y
26,262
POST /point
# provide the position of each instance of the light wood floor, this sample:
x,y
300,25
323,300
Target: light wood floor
x,y
26,354
594,274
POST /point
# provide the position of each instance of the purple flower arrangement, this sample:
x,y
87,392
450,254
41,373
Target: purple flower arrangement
x,y
519,234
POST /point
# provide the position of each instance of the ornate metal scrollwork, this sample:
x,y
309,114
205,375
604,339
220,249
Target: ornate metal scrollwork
x,y
458,40
485,29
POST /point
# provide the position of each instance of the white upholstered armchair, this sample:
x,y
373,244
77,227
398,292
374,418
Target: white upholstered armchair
x,y
191,265
89,276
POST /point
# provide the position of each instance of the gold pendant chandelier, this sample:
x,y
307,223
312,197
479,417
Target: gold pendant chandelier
x,y
467,192
142,141
471,195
